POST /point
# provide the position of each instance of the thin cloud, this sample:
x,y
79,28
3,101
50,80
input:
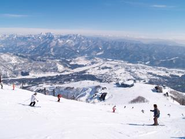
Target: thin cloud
x,y
140,4
136,3
159,6
13,15
162,6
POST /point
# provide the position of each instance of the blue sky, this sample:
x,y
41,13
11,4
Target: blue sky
x,y
134,18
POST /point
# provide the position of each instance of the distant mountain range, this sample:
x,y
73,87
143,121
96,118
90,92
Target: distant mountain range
x,y
56,59
49,46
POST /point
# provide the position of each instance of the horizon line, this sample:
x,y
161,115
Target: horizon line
x,y
176,37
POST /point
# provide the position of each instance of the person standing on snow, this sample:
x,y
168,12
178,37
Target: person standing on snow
x,y
59,96
13,86
156,114
1,82
33,100
53,92
114,109
45,91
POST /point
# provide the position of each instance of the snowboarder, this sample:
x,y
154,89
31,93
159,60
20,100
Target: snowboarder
x,y
59,96
114,109
33,100
156,114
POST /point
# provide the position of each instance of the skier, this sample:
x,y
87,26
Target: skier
x,y
33,100
156,114
114,109
59,96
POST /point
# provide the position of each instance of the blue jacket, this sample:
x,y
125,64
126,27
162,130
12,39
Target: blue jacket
x,y
156,113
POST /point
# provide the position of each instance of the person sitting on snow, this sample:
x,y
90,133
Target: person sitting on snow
x,y
156,114
33,100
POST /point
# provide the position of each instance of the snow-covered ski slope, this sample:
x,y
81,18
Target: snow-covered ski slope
x,y
71,119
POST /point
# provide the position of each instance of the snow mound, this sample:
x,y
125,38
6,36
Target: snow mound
x,y
139,99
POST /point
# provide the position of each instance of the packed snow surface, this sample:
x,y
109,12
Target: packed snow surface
x,y
71,119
